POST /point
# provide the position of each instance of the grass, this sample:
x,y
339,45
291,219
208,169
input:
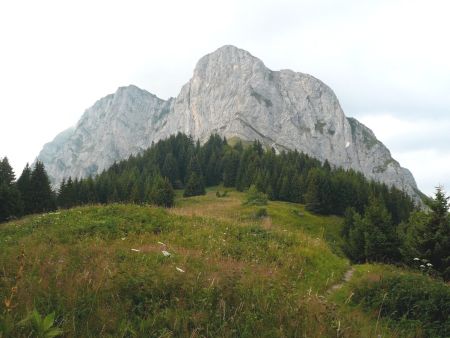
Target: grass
x,y
102,271
402,303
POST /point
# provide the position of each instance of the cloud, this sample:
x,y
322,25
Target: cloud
x,y
420,145
59,57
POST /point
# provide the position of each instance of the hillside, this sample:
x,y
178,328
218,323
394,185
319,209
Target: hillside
x,y
104,272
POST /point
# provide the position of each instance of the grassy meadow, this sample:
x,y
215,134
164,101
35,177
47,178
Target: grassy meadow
x,y
209,267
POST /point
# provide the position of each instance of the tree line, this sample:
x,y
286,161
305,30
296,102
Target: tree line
x,y
185,164
30,194
378,219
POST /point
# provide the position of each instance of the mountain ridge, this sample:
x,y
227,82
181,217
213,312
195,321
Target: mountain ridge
x,y
231,93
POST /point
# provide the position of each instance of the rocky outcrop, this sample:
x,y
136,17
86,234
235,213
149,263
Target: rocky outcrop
x,y
234,94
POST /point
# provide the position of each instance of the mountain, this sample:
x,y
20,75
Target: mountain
x,y
231,93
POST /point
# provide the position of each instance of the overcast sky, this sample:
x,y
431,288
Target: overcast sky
x,y
387,61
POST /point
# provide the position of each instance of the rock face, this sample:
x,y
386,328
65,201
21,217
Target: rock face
x,y
234,94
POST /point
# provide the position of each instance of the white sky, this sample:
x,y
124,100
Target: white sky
x,y
387,61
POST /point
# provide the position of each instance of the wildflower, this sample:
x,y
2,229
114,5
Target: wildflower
x,y
165,253
416,259
422,266
429,264
136,250
179,269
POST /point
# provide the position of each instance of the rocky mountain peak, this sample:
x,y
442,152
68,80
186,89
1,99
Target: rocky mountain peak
x,y
231,93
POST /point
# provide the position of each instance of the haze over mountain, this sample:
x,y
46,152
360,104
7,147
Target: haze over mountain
x,y
233,94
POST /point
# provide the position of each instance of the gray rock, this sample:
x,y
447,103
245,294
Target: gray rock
x,y
234,94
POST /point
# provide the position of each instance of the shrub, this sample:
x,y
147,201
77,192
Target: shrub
x,y
255,197
261,213
409,299
223,194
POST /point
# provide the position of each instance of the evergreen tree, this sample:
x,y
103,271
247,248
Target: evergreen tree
x,y
170,168
318,194
24,186
6,172
429,234
11,204
372,237
42,196
162,193
381,240
194,186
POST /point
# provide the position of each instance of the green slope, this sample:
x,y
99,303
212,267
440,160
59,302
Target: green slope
x,y
102,271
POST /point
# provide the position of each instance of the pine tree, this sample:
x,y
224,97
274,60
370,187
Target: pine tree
x,y
43,199
430,238
162,192
170,168
24,186
195,184
11,204
381,240
6,172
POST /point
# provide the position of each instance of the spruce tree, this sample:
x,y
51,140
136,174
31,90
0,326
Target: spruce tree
x,y
43,199
24,186
430,237
162,192
11,204
6,172
195,184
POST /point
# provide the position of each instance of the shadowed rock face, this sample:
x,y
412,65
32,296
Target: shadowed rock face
x,y
233,94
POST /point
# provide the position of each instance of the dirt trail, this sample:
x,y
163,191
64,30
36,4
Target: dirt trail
x,y
347,276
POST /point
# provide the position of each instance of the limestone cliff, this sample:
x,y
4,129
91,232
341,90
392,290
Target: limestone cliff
x,y
234,94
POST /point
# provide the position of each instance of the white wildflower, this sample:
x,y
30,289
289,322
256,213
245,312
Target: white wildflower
x,y
165,253
136,250
416,259
179,269
429,264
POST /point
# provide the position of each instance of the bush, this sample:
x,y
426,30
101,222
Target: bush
x,y
255,197
409,299
261,213
223,194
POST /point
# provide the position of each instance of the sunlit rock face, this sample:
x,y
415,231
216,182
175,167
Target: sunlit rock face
x,y
231,93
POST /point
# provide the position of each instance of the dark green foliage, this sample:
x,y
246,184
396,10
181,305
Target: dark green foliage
x,y
6,172
261,213
24,186
288,176
162,193
318,194
221,194
194,186
11,204
427,235
255,197
410,300
371,237
43,199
